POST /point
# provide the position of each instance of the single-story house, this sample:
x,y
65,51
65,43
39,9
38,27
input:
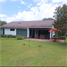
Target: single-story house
x,y
28,28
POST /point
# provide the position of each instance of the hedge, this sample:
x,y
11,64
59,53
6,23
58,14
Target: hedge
x,y
14,36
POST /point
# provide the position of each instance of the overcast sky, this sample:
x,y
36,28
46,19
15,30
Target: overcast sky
x,y
28,10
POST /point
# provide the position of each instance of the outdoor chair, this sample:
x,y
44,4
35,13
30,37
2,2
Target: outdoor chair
x,y
42,37
35,36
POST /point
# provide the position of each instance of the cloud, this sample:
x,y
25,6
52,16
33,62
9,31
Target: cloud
x,y
41,1
19,7
59,1
2,0
22,2
29,5
13,0
36,13
53,1
3,15
36,0
42,10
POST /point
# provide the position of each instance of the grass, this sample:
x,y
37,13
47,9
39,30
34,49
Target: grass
x,y
65,40
14,53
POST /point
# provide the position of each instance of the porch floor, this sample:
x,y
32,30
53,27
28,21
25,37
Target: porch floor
x,y
44,40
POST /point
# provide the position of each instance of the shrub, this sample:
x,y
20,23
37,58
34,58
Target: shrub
x,y
20,38
14,36
11,36
1,35
63,37
8,36
24,37
56,35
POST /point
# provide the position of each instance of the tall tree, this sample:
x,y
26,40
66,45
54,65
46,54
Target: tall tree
x,y
61,19
2,23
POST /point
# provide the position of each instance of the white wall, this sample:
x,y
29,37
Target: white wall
x,y
7,32
28,32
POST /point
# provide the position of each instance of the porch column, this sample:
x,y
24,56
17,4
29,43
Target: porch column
x,y
35,32
50,34
27,32
53,33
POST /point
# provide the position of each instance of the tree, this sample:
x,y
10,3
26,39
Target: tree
x,y
2,23
48,19
61,19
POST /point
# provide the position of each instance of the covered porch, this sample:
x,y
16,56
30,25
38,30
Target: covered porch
x,y
40,33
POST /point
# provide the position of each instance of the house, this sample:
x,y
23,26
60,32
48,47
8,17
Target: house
x,y
28,28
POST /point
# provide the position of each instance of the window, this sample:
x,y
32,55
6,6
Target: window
x,y
12,29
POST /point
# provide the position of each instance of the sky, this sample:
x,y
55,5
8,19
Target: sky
x,y
28,10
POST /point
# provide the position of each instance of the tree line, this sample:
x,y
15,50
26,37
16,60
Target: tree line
x,y
2,23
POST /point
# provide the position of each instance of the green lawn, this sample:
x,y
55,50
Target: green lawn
x,y
14,53
65,40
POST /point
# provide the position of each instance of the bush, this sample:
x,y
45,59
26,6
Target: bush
x,y
20,37
63,37
1,35
56,35
24,37
8,36
14,36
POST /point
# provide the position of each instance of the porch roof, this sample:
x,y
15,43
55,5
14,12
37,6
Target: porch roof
x,y
29,24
